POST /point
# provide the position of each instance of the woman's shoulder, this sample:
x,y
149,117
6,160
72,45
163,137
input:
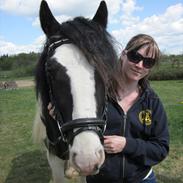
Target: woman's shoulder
x,y
151,98
150,93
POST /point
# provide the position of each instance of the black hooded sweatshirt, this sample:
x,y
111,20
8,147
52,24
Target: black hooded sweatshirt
x,y
147,140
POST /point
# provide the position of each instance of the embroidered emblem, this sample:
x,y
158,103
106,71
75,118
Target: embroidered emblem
x,y
145,117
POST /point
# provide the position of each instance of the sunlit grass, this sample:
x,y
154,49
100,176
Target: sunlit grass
x,y
23,162
170,93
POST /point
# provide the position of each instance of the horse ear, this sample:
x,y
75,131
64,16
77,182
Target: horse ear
x,y
48,23
101,14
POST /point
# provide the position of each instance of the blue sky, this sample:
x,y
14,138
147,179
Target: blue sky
x,y
20,30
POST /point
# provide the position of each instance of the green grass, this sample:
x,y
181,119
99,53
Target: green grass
x,y
17,113
20,160
23,162
170,92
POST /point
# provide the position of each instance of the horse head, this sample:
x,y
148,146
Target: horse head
x,y
72,74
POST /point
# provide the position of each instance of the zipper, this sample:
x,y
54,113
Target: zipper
x,y
123,133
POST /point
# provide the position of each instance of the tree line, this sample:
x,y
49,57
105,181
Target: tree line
x,y
23,65
20,65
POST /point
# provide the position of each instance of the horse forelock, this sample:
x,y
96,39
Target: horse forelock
x,y
94,42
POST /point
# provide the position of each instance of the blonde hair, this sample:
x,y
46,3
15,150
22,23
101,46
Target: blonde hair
x,y
141,40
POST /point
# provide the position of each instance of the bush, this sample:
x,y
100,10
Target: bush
x,y
167,72
23,71
5,63
21,65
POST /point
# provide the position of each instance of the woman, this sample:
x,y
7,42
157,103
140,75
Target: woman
x,y
136,136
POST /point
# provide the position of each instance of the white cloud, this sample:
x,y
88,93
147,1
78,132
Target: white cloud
x,y
113,6
60,19
36,22
10,48
69,8
129,6
20,7
166,28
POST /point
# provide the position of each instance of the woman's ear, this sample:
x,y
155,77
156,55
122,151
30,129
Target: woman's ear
x,y
124,52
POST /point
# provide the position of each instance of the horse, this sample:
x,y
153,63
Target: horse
x,y
72,74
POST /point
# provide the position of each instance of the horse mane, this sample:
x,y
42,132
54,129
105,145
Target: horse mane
x,y
94,42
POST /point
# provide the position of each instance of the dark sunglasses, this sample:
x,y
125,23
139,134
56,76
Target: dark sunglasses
x,y
135,57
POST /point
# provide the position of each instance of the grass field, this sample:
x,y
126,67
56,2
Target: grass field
x,y
23,162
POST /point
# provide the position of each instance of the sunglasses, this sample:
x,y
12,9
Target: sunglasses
x,y
135,57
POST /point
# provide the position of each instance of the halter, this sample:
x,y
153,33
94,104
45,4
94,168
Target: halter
x,y
69,129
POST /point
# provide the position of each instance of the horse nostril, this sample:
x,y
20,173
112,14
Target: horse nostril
x,y
100,153
74,154
96,167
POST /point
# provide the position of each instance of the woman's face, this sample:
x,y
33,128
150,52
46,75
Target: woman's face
x,y
135,71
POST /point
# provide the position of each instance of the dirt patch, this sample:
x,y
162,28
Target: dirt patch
x,y
25,83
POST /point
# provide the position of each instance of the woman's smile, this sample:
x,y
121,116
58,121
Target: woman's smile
x,y
136,71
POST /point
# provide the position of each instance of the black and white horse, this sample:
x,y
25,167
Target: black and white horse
x,y
72,73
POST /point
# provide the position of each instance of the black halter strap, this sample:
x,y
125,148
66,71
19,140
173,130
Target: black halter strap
x,y
56,41
69,129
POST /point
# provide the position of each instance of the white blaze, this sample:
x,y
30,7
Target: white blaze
x,y
81,75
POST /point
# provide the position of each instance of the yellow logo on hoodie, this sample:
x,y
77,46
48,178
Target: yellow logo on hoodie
x,y
145,117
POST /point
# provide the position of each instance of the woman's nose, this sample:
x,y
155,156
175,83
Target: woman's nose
x,y
140,64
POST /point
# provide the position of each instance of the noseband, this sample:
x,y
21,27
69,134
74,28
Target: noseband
x,y
69,129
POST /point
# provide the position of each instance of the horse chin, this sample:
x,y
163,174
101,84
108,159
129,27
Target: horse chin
x,y
70,172
89,173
